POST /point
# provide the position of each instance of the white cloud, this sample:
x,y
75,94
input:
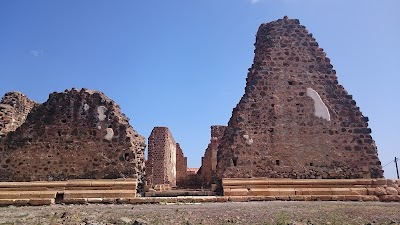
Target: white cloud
x,y
36,53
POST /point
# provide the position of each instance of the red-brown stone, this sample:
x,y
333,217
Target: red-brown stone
x,y
14,108
294,119
73,135
208,167
161,162
181,166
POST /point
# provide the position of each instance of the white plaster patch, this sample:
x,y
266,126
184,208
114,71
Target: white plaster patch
x,y
86,107
249,140
101,110
173,161
109,135
320,109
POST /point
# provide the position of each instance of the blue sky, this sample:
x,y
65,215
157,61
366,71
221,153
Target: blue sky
x,y
183,64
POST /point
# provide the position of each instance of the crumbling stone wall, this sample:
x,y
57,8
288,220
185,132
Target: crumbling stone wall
x,y
161,162
14,108
294,119
181,166
74,134
208,167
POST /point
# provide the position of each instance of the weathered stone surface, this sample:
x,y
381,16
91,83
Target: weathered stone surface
x,y
208,167
294,119
380,191
161,162
14,108
181,166
73,135
391,191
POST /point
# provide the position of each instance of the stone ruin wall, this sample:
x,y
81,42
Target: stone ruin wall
x,y
73,135
208,167
181,166
294,119
14,108
161,162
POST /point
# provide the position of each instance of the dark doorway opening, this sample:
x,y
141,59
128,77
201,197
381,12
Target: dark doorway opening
x,y
59,197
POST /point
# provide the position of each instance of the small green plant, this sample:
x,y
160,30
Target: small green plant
x,y
53,220
336,218
163,201
22,215
282,219
7,223
39,222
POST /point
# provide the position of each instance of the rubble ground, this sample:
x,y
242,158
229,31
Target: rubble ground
x,y
272,212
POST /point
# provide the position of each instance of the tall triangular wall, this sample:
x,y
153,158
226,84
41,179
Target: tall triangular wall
x,y
294,119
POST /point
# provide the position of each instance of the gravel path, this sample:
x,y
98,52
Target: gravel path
x,y
278,212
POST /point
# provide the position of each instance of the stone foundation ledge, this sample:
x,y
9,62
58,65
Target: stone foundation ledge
x,y
298,190
84,183
199,200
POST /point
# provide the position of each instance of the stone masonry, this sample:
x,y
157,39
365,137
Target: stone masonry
x,y
14,108
73,135
208,167
181,166
294,119
161,161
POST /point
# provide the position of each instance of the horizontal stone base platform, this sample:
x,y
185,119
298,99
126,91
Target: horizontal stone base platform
x,y
312,190
198,199
176,193
235,190
71,191
70,184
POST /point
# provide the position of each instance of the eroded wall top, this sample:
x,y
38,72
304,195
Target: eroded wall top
x,y
14,108
74,134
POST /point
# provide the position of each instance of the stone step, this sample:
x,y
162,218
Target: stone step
x,y
70,183
294,191
33,184
27,194
305,198
72,194
176,193
302,182
26,202
296,186
279,189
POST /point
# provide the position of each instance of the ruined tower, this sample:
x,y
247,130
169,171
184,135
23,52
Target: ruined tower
x,y
161,162
294,119
75,134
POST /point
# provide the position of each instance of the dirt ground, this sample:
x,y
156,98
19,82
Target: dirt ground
x,y
275,212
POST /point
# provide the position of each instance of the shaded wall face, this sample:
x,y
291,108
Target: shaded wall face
x,y
294,119
161,163
209,161
181,166
75,134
